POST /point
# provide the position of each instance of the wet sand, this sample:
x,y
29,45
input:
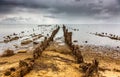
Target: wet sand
x,y
57,61
107,63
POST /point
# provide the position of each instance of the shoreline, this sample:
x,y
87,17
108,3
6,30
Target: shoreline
x,y
88,57
58,58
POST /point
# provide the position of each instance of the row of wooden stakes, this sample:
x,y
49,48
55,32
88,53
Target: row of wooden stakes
x,y
26,66
89,69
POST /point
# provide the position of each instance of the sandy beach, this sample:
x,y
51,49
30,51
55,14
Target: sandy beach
x,y
59,38
58,60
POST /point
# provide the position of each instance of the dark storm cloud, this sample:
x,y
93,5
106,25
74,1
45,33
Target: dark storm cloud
x,y
22,3
76,8
118,1
7,6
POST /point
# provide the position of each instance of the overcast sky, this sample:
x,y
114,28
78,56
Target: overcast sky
x,y
59,11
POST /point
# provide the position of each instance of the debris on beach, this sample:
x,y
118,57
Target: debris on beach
x,y
8,53
26,41
111,36
10,39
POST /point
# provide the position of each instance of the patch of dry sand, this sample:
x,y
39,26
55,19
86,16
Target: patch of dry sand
x,y
57,61
56,65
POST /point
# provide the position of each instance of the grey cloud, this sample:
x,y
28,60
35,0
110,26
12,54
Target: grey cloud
x,y
15,19
78,8
22,3
7,6
50,16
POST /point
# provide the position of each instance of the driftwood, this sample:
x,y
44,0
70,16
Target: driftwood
x,y
44,44
84,66
37,52
77,53
93,68
23,69
90,69
79,56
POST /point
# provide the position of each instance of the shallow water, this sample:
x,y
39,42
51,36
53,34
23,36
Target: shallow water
x,y
82,35
28,29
